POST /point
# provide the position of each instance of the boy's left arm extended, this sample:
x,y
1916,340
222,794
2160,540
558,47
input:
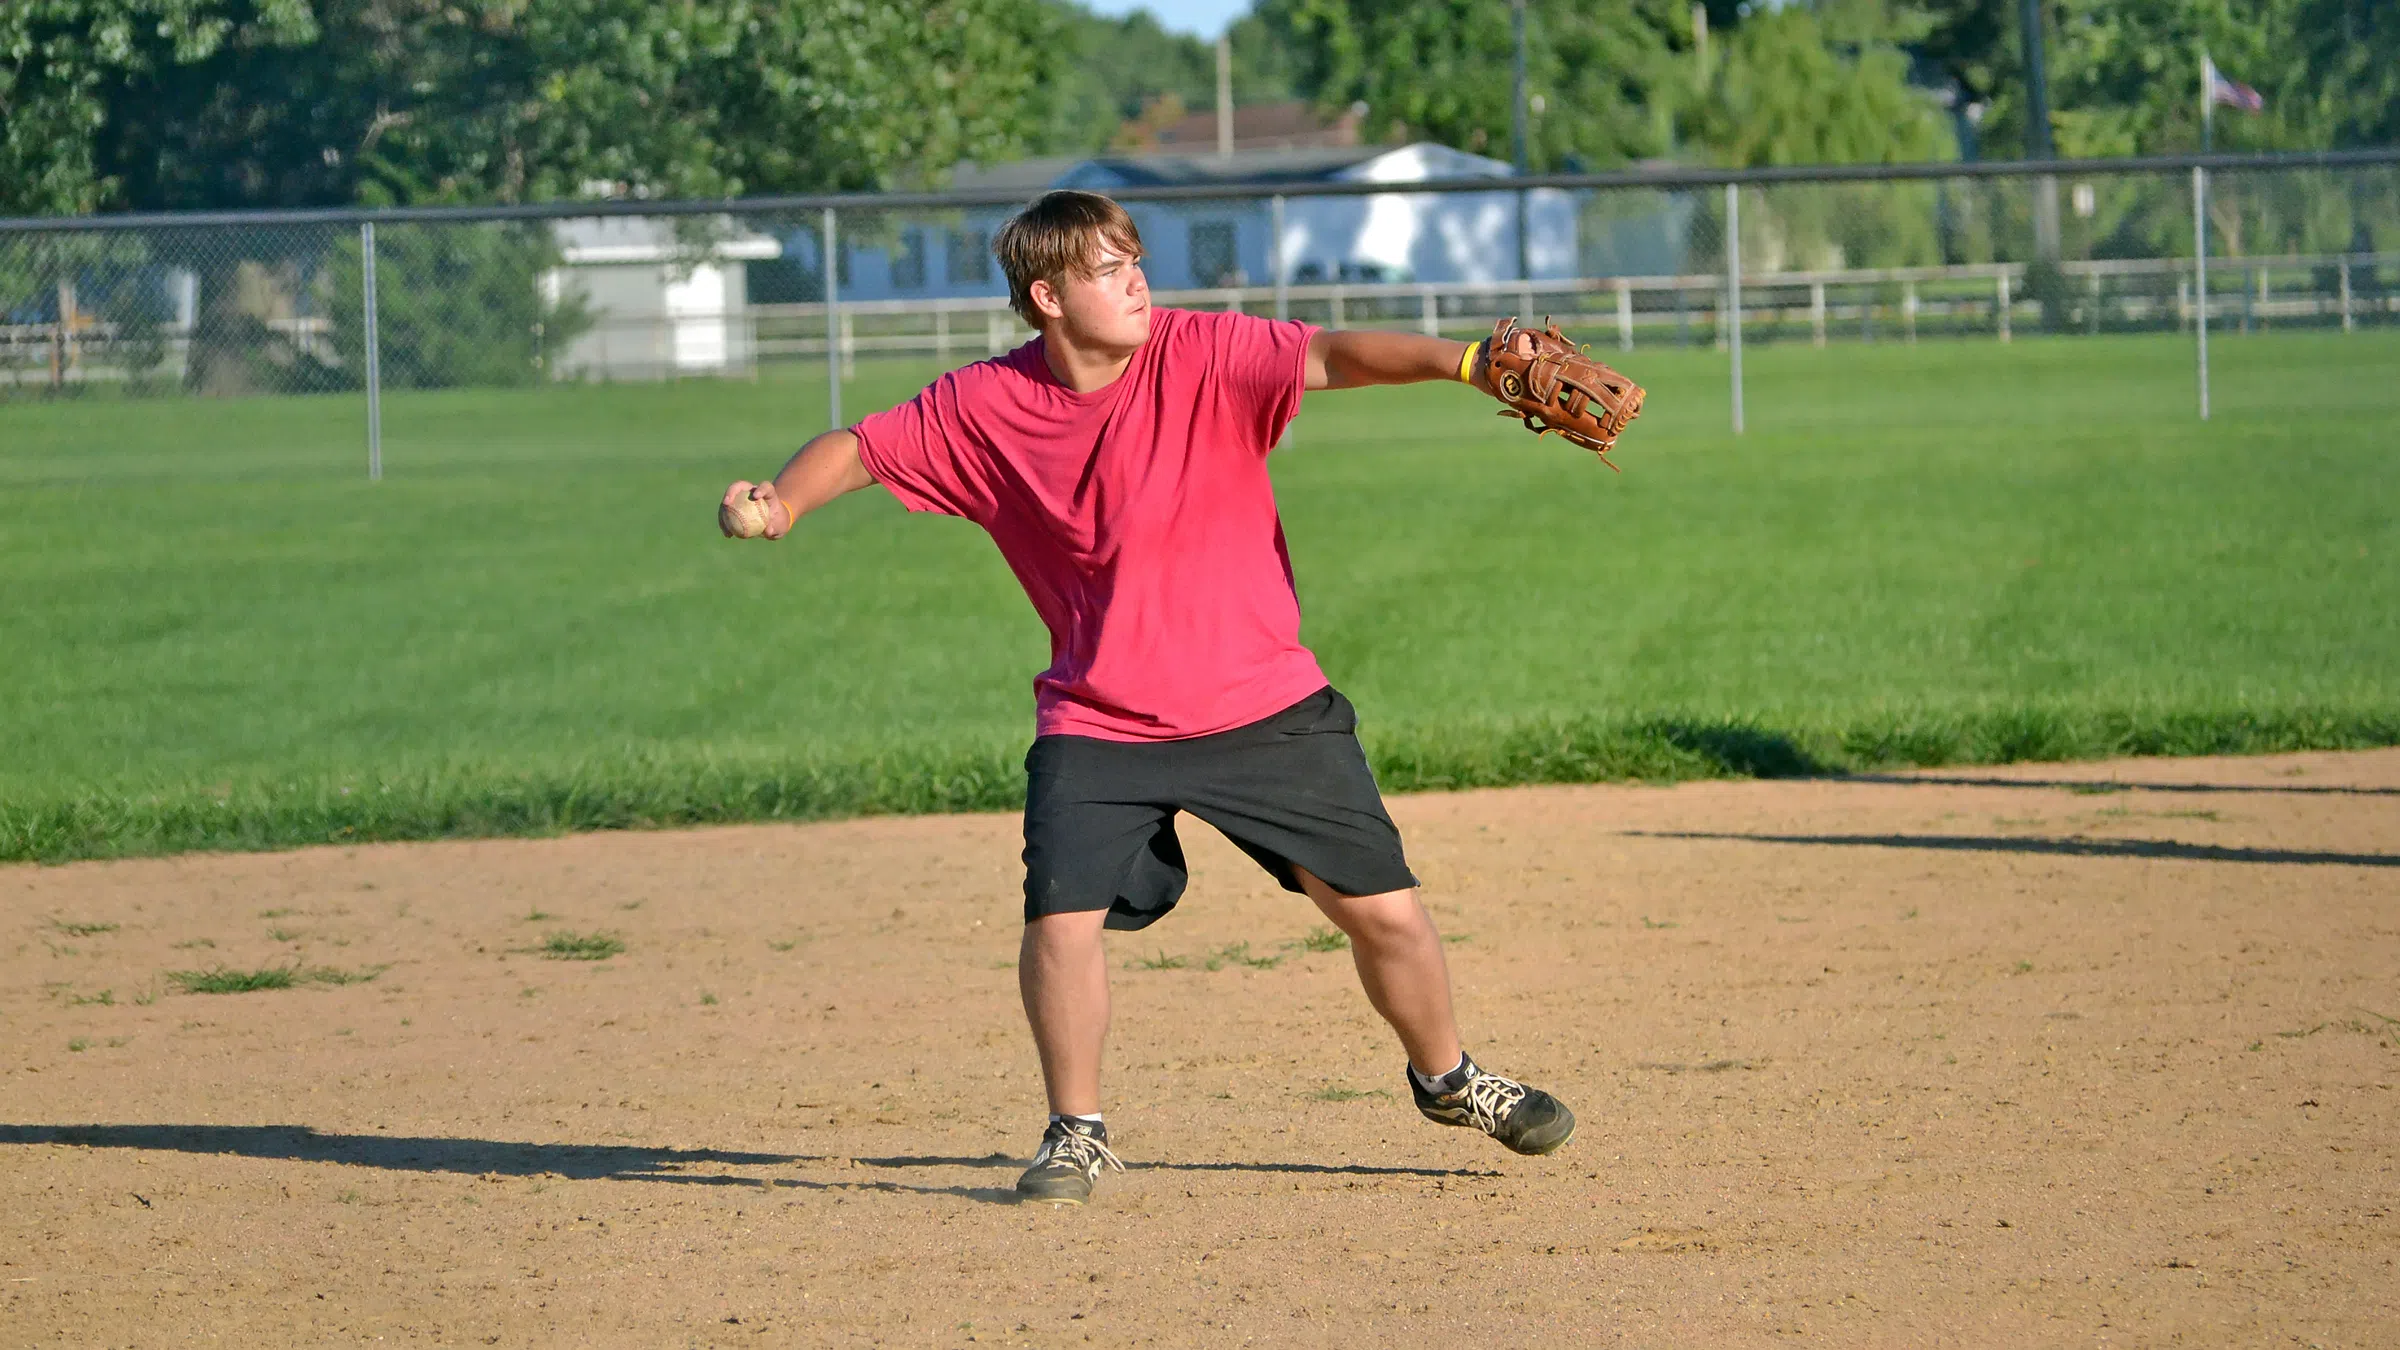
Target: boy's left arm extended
x,y
1544,378
1356,358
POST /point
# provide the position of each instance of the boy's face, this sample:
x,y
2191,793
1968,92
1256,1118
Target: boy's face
x,y
1109,309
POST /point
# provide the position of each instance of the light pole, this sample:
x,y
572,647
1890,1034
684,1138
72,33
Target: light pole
x,y
2038,144
1516,24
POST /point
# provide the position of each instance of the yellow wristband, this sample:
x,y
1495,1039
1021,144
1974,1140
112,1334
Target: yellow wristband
x,y
1466,363
791,515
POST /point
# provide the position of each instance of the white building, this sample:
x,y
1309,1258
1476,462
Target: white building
x,y
667,298
1389,236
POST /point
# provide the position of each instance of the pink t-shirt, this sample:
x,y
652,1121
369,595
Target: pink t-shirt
x,y
1139,518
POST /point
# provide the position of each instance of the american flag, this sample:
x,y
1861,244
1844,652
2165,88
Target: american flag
x,y
2232,93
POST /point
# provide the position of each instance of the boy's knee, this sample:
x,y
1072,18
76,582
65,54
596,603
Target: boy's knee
x,y
1074,931
1392,915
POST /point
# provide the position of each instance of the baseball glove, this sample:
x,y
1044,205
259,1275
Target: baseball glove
x,y
1550,385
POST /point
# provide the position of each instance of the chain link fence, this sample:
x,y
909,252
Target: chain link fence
x,y
391,303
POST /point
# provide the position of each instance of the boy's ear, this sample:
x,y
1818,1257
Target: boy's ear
x,y
1045,298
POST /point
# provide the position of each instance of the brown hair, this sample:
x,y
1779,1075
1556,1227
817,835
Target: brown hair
x,y
1057,237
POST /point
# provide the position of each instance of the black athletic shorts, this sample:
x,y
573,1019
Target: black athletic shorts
x,y
1290,789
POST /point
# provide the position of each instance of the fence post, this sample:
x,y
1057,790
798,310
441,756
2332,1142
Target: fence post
x,y
1429,313
2094,325
1624,316
1733,292
941,332
2200,275
995,332
833,322
2345,268
1340,311
1908,308
373,357
1816,312
1283,307
2001,302
849,345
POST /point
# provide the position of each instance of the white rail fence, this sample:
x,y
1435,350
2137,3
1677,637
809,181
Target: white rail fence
x,y
1867,303
1992,300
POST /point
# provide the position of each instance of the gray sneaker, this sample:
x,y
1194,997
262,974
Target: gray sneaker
x,y
1526,1120
1069,1161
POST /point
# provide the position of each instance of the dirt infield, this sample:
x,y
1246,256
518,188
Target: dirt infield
x,y
2044,1055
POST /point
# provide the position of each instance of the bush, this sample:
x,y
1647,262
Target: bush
x,y
457,306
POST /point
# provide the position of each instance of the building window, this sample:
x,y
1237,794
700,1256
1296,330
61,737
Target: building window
x,y
1212,255
908,261
970,256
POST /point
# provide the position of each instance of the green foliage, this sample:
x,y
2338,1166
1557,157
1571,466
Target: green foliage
x,y
63,64
83,929
161,104
2125,74
1778,92
1110,70
567,946
225,980
1321,939
1441,71
1616,82
456,307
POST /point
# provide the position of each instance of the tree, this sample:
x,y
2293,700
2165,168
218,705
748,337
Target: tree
x,y
1440,69
164,104
174,104
1117,70
63,64
1782,94
2125,74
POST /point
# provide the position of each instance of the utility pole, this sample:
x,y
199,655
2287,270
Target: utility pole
x,y
1516,23
2037,83
2038,144
1225,96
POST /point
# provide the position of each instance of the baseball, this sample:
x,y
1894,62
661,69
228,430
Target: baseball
x,y
745,517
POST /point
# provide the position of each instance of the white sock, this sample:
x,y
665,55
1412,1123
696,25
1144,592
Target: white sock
x,y
1437,1083
1092,1119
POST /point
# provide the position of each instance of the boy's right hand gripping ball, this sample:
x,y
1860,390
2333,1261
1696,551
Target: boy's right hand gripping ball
x,y
745,516
1550,385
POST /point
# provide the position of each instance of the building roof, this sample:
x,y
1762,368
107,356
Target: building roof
x,y
1242,168
1289,125
586,240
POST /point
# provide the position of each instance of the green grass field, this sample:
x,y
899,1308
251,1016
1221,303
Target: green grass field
x,y
218,634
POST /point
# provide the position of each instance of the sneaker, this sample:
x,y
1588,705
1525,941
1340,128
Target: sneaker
x,y
1527,1120
1069,1161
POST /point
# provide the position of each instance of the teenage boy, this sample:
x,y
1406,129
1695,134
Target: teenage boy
x,y
1118,460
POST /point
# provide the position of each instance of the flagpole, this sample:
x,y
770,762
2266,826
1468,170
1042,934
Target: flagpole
x,y
2200,270
2208,103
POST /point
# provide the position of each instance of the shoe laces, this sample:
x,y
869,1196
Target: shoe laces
x,y
1490,1099
1085,1151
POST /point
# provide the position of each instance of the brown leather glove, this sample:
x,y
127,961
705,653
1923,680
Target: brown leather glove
x,y
1550,385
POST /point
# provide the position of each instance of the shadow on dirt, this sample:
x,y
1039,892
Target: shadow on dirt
x,y
1293,1168
2100,786
596,1162
2073,848
407,1153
